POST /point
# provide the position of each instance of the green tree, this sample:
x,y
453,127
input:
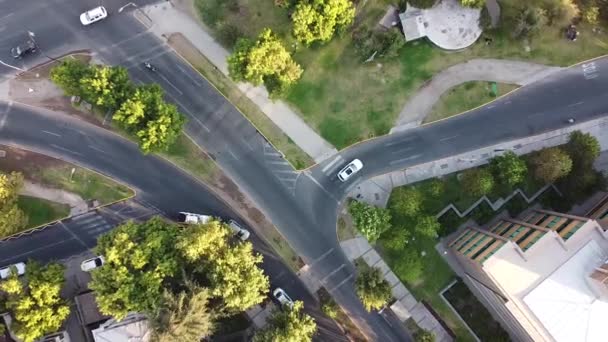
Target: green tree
x,y
509,169
140,258
427,226
12,219
330,308
265,61
477,181
231,269
291,325
406,201
184,317
396,238
424,336
370,221
529,21
318,20
34,302
583,149
67,75
146,115
551,164
408,264
372,289
591,14
105,86
473,3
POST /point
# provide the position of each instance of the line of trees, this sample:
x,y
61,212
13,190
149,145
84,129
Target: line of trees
x,y
139,110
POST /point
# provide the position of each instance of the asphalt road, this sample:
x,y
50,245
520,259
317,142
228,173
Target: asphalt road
x,y
302,205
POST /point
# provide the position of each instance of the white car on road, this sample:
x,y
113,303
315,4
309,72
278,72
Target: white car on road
x,y
240,232
5,272
191,218
350,169
93,15
93,263
282,297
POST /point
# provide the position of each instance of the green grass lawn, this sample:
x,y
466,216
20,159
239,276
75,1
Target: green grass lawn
x,y
347,100
465,97
88,184
40,211
436,276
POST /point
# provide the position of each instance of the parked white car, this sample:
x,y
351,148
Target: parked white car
x,y
5,272
282,297
350,169
93,15
93,263
191,218
240,232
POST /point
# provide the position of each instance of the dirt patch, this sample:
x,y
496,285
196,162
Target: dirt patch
x,y
24,161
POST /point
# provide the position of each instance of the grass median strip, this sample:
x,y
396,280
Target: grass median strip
x,y
298,158
466,96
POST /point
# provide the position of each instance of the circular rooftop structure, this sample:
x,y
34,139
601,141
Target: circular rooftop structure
x,y
448,25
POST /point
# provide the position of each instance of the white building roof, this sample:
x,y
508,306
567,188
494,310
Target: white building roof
x,y
134,328
412,21
567,303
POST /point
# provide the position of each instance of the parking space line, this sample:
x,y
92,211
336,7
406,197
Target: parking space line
x,y
171,84
189,76
324,280
51,133
73,235
340,283
326,167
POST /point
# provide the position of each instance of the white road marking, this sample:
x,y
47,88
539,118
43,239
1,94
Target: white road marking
x,y
404,159
171,84
278,162
331,163
322,257
402,150
189,76
332,273
397,142
284,171
232,153
107,48
51,133
341,283
189,113
20,256
575,104
66,150
96,149
319,185
73,235
449,138
6,16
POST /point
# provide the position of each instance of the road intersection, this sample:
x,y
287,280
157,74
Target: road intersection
x,y
303,207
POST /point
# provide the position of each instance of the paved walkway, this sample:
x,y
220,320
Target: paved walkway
x,y
377,190
76,203
405,306
494,11
166,19
493,70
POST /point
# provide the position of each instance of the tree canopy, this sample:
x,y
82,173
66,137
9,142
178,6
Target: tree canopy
x,y
141,111
583,148
291,325
372,289
318,20
34,302
424,336
184,317
139,257
370,221
265,61
231,269
12,219
406,201
509,169
427,225
477,182
551,164
473,3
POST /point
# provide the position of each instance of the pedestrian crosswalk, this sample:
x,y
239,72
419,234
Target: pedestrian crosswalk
x,y
333,165
280,167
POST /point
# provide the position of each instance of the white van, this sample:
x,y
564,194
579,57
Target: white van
x,y
240,232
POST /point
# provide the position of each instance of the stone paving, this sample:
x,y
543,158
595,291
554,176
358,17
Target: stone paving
x,y
405,306
452,26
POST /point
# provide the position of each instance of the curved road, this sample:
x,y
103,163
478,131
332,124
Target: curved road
x,y
302,205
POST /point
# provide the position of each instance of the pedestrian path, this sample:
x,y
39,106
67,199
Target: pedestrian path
x,y
492,70
76,203
164,19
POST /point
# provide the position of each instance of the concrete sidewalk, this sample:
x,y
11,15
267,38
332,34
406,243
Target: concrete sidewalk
x,y
76,203
492,70
377,190
164,19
